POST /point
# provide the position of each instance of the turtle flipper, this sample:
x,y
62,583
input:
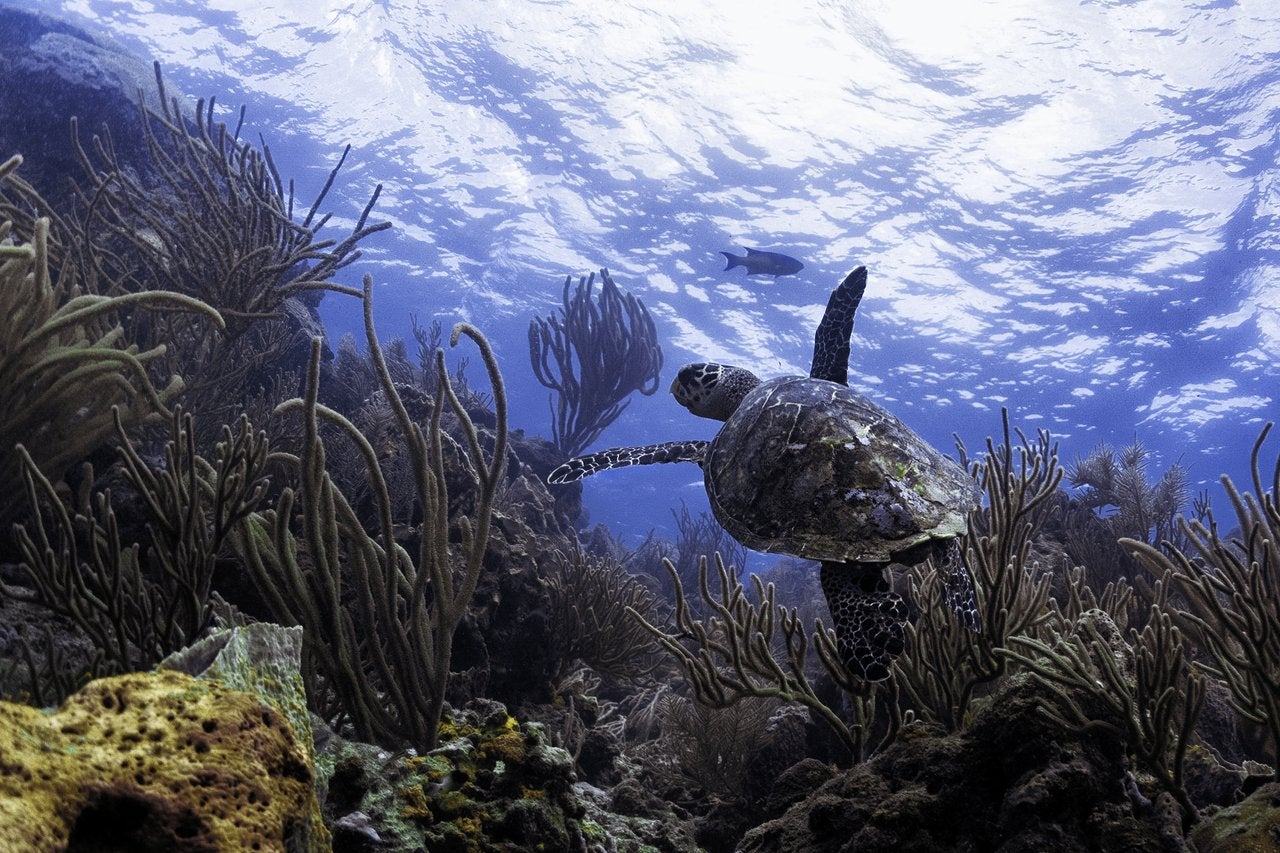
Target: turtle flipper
x,y
831,342
621,457
957,585
870,618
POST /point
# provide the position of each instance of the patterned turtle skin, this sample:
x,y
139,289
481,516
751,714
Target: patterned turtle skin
x,y
806,466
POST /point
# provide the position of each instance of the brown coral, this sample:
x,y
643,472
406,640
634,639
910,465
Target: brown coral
x,y
151,762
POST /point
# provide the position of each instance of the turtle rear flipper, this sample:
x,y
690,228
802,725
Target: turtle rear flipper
x,y
621,457
870,619
957,584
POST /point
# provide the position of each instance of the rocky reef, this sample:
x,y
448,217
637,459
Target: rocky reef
x,y
159,761
466,667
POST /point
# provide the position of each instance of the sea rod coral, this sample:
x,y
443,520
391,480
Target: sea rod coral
x,y
137,605
378,619
1231,587
65,357
207,215
593,355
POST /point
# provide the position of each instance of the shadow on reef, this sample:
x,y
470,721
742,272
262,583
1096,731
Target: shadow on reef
x,y
182,457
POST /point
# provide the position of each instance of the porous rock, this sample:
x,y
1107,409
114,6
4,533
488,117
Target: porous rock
x,y
493,784
152,762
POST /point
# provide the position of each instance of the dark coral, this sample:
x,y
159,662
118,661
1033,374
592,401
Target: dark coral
x,y
594,354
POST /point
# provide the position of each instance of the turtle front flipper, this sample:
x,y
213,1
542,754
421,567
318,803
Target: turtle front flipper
x,y
621,457
831,341
869,617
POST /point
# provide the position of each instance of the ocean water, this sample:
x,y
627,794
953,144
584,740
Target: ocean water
x,y
1068,209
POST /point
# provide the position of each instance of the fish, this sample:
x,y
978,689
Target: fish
x,y
759,262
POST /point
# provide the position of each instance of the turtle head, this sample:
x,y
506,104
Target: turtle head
x,y
711,390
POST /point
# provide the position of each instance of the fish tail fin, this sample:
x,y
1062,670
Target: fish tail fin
x,y
733,261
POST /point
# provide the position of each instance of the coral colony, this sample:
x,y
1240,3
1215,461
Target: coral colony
x,y
284,599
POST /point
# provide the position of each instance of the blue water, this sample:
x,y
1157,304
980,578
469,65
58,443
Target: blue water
x,y
1068,208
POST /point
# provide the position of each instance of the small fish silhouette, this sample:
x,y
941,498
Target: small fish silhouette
x,y
758,262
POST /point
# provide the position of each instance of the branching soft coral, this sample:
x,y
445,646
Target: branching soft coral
x,y
593,355
65,358
379,616
1231,586
1139,509
209,217
139,604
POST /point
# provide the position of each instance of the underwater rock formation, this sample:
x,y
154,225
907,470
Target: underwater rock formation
x,y
1010,781
152,762
1248,826
51,70
493,784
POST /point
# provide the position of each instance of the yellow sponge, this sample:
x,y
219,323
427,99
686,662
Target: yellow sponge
x,y
151,762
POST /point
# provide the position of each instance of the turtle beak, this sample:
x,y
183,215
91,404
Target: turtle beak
x,y
680,391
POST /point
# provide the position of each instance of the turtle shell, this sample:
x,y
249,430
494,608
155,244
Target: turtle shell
x,y
810,468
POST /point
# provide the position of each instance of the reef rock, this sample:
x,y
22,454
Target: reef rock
x,y
1011,781
51,70
153,762
508,632
1250,826
493,784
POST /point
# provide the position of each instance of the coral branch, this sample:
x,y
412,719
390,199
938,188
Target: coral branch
x,y
593,355
1145,692
1232,590
946,662
729,655
66,359
379,622
138,606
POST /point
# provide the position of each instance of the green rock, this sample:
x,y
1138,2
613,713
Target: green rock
x,y
1250,826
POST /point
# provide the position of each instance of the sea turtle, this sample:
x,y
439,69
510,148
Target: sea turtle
x,y
805,466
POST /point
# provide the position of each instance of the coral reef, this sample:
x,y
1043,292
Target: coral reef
x,y
730,655
208,218
491,785
1250,826
1011,780
1144,692
385,652
462,670
590,601
1232,590
138,606
150,763
948,665
1140,509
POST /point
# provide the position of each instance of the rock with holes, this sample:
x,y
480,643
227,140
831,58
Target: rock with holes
x,y
153,762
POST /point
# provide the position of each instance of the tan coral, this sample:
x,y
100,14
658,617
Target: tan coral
x,y
152,762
